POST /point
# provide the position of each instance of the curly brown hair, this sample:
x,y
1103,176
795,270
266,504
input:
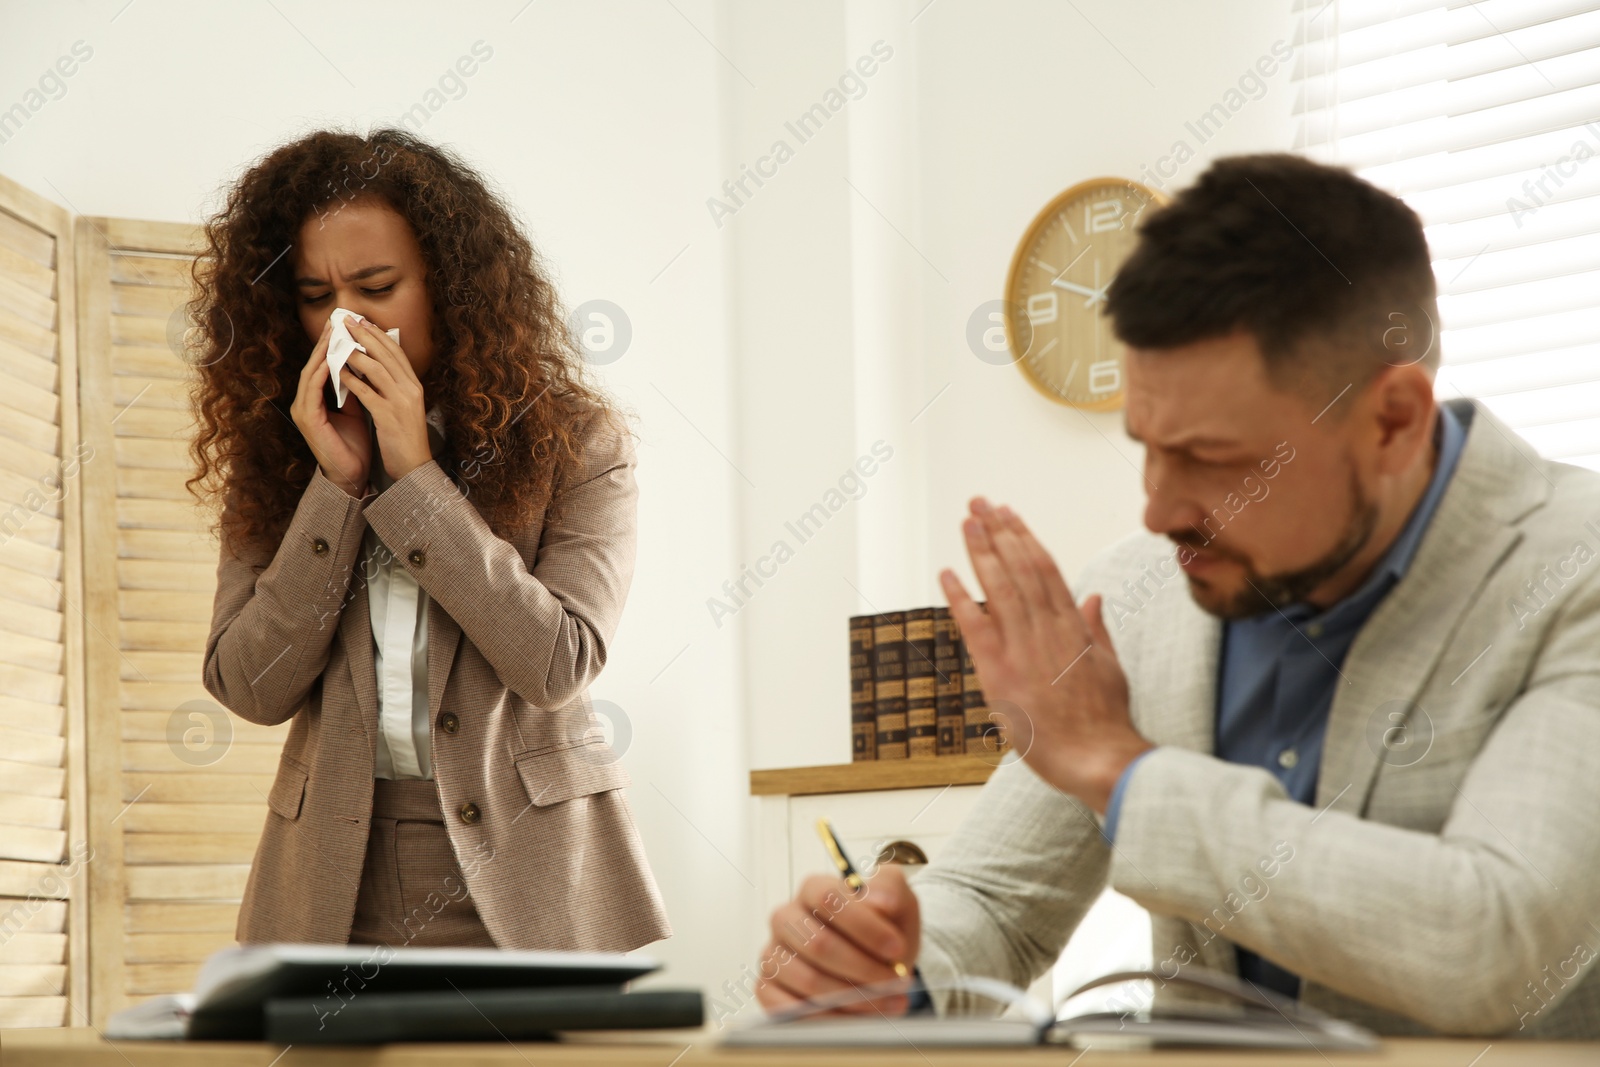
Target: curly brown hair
x,y
509,377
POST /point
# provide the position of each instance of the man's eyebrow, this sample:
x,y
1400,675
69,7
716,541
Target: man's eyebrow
x,y
1185,445
360,275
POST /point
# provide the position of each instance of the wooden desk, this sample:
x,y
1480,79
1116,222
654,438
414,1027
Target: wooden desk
x,y
83,1047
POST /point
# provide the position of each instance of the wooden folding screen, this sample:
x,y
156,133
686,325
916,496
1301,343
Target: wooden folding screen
x,y
44,838
178,786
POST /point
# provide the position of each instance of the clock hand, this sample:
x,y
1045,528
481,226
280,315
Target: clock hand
x,y
1096,296
1081,290
1082,252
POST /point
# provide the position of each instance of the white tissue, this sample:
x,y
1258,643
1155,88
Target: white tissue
x,y
341,344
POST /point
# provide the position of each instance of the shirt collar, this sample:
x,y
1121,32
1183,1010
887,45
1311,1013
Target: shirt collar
x,y
1449,436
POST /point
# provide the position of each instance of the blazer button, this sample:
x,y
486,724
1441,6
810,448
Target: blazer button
x,y
469,812
417,557
448,722
319,546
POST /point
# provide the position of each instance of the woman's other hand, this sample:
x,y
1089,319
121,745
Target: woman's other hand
x,y
340,439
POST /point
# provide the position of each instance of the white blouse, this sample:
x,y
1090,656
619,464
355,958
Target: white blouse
x,y
399,611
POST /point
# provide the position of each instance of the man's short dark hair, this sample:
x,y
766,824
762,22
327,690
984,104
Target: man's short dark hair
x,y
1327,272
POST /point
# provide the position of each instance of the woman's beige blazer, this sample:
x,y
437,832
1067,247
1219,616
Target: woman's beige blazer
x,y
532,793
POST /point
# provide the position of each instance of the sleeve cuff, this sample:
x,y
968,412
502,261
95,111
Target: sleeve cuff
x,y
409,508
326,486
322,485
1108,826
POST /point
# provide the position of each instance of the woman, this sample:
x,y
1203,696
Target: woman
x,y
425,580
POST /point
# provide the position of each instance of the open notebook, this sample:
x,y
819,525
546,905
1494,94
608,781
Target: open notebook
x,y
1242,1016
236,984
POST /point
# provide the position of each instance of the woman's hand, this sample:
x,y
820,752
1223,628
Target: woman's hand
x,y
389,387
341,440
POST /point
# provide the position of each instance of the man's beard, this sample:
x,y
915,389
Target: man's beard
x,y
1263,593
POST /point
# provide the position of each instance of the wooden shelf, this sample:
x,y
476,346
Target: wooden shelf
x,y
871,775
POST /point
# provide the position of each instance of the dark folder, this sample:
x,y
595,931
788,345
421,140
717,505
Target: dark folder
x,y
478,1014
236,984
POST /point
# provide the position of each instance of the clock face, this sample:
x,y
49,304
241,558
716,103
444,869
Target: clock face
x,y
1056,291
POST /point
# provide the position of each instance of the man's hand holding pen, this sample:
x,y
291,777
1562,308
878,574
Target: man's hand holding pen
x,y
829,939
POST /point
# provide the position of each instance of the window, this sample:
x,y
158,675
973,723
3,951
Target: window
x,y
1485,118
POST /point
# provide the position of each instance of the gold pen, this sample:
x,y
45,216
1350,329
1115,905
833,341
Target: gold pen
x,y
848,872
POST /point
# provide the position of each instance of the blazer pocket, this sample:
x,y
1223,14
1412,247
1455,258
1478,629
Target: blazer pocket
x,y
573,771
288,789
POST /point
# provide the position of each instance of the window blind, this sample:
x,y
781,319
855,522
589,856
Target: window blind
x,y
1485,118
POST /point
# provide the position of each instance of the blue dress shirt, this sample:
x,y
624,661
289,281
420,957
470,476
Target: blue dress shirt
x,y
1279,670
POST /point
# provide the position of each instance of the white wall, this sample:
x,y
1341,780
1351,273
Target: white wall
x,y
771,346
984,112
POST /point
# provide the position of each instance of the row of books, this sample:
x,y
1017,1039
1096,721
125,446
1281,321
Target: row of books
x,y
914,692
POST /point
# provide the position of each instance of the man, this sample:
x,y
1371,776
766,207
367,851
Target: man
x,y
1354,755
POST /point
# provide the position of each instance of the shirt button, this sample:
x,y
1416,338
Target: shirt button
x,y
319,546
448,722
418,558
469,812
1314,630
1288,758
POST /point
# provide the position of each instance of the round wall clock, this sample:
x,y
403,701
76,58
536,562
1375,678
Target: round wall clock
x,y
1056,291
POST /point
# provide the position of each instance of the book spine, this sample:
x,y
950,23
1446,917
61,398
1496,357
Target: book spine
x,y
922,732
889,682
983,736
863,714
950,712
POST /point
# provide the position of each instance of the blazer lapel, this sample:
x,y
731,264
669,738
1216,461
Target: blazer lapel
x,y
1400,647
444,634
1179,672
355,630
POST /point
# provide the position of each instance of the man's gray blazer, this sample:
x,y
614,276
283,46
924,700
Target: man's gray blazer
x,y
1447,879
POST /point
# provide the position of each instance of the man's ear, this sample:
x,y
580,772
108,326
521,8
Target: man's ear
x,y
1403,409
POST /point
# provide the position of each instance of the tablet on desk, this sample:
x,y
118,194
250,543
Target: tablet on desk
x,y
235,983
